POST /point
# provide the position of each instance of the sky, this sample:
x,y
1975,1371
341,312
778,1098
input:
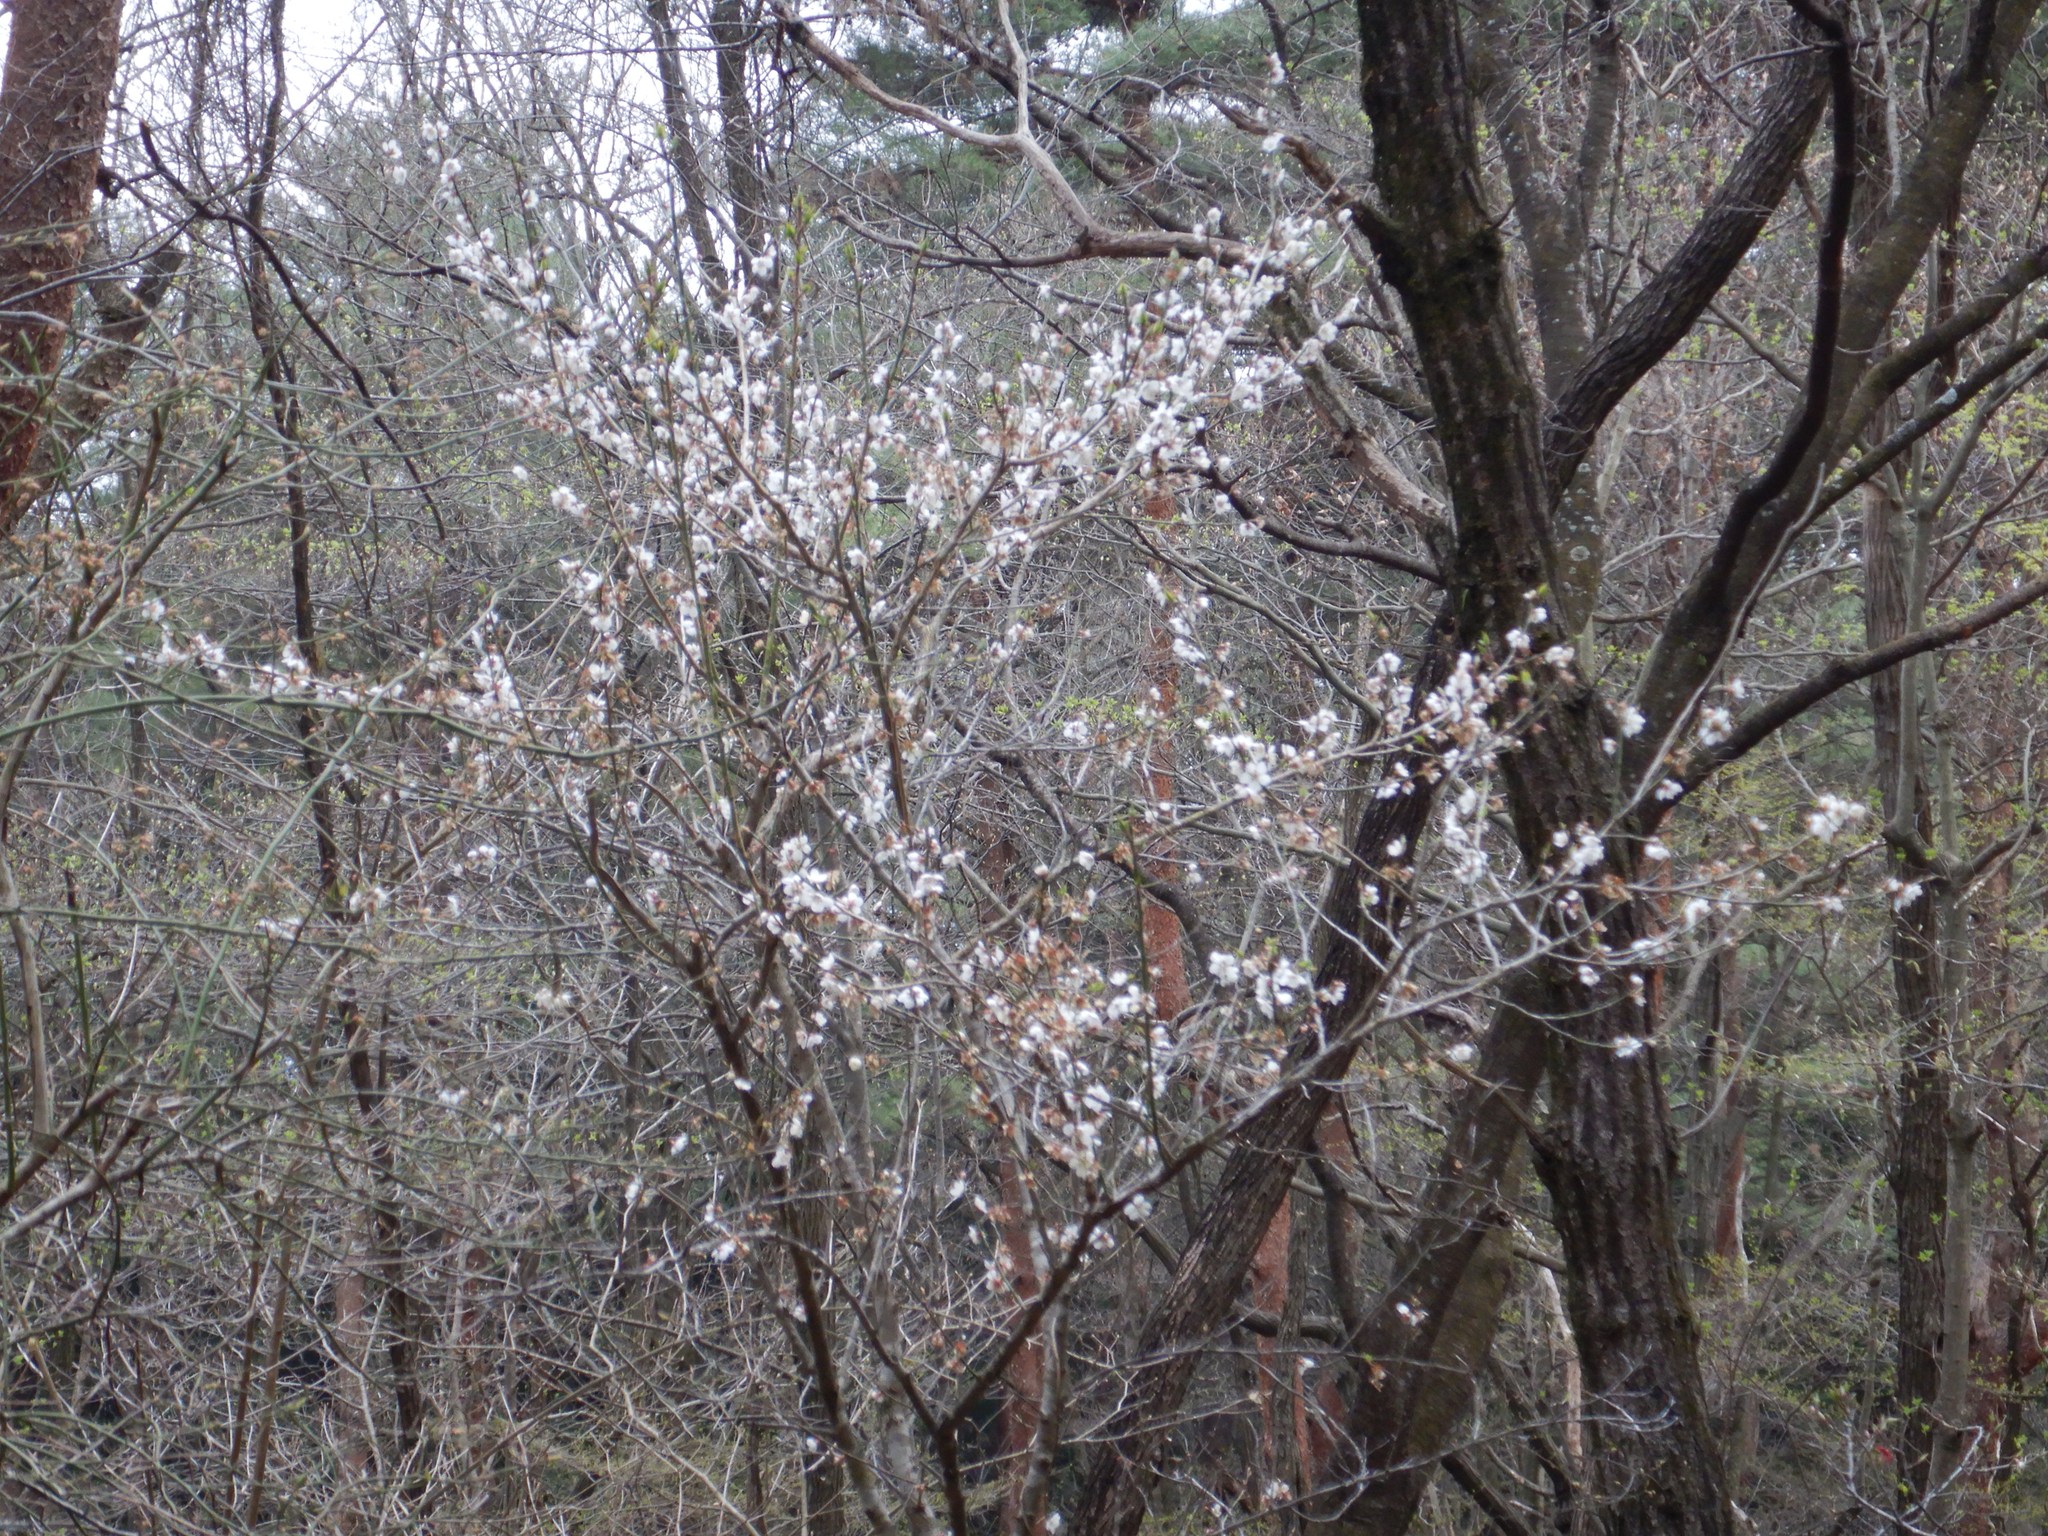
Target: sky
x,y
322,31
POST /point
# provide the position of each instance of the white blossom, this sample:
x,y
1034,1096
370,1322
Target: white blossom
x,y
1832,815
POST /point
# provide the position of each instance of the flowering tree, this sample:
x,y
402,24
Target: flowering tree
x,y
796,768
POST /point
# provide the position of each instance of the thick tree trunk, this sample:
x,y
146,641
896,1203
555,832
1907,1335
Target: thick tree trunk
x,y
1607,1161
1607,1157
1606,1154
61,58
1438,243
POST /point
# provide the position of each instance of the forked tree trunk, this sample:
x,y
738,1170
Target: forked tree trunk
x,y
1605,1153
1605,1149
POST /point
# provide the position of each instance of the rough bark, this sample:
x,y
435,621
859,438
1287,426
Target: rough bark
x,y
1605,1154
1607,1161
61,58
1667,306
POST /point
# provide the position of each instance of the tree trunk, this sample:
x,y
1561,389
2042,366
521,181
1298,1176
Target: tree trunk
x,y
1957,1456
736,34
1024,1385
61,59
1606,1154
1607,1159
1919,1173
1718,1158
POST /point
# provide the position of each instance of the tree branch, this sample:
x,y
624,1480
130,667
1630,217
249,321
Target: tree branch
x,y
1805,428
1759,724
1667,307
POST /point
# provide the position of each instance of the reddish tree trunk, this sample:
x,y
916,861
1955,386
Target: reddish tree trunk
x,y
1166,964
61,59
1026,1377
1159,689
